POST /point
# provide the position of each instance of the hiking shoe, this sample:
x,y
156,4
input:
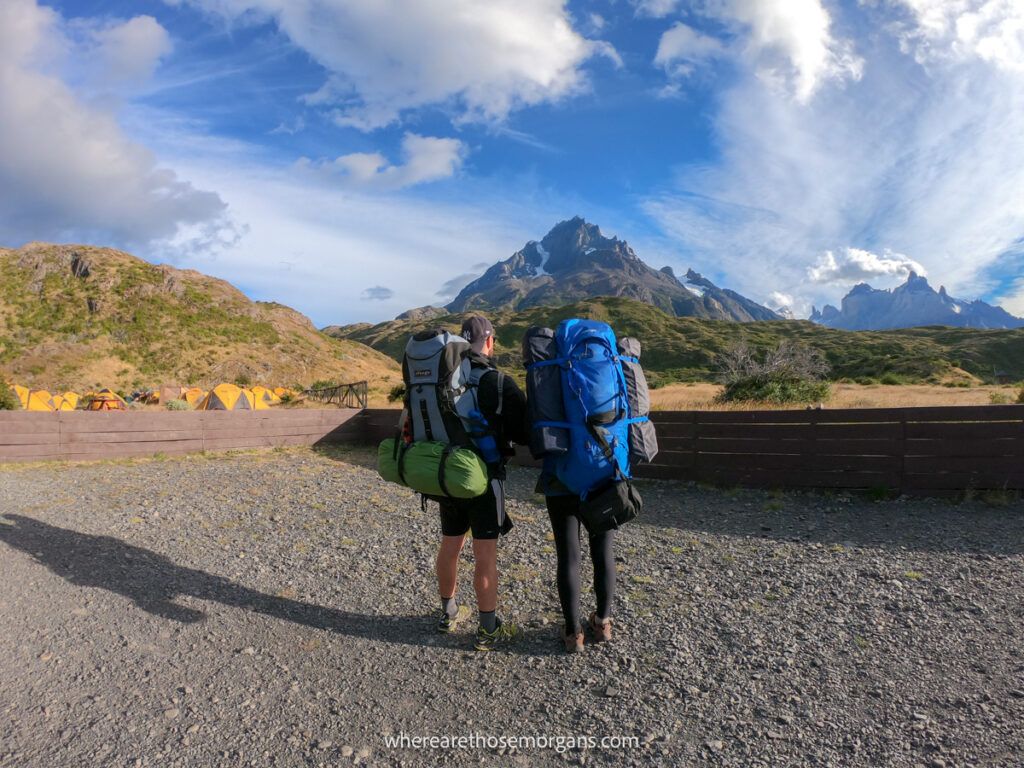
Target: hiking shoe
x,y
573,642
446,623
602,628
503,633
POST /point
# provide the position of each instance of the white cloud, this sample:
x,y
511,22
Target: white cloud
x,y
681,48
791,42
656,9
483,60
1013,300
925,161
779,300
66,169
128,52
991,30
854,265
341,240
426,158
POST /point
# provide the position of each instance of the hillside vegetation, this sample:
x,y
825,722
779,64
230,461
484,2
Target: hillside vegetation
x,y
685,349
76,317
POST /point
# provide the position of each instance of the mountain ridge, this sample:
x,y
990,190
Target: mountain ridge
x,y
913,304
576,261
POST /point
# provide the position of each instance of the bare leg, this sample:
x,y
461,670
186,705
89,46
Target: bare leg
x,y
485,575
448,564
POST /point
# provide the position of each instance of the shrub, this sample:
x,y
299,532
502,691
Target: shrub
x,y
397,393
323,384
8,400
178,405
998,398
243,380
790,373
1020,396
890,378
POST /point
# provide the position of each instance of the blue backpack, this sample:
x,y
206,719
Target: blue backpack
x,y
594,431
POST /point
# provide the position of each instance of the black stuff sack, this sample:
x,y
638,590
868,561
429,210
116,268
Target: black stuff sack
x,y
610,507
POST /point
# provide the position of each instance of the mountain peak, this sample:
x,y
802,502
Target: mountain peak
x,y
575,261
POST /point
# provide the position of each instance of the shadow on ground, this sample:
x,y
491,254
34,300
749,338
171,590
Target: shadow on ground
x,y
153,582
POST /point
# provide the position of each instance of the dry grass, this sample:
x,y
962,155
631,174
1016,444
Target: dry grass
x,y
700,396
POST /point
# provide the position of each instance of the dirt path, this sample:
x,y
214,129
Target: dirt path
x,y
273,609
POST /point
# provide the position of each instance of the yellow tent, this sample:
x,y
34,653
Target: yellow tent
x,y
228,397
39,400
106,400
21,393
266,395
194,396
69,401
282,391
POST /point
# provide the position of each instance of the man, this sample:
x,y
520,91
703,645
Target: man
x,y
504,407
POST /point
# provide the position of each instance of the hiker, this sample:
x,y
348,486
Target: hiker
x,y
500,405
588,411
564,512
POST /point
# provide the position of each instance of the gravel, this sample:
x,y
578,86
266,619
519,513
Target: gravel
x,y
275,608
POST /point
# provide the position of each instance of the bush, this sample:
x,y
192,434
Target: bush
x,y
243,380
890,378
1020,396
790,373
178,405
8,400
397,393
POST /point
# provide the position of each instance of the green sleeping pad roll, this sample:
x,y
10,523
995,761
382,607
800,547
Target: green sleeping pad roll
x,y
465,473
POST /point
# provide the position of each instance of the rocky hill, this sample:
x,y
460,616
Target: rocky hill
x,y
685,348
74,317
915,303
575,261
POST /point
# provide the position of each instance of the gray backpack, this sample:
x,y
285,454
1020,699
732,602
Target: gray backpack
x,y
441,389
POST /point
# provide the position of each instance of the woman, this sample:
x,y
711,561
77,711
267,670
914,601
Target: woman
x,y
563,509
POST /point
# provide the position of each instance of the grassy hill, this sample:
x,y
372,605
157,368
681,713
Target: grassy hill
x,y
684,349
74,317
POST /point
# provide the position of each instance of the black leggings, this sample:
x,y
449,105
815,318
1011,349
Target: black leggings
x,y
566,526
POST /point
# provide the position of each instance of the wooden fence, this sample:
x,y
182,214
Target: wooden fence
x,y
909,450
89,435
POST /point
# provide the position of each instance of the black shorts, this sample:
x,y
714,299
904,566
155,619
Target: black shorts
x,y
484,515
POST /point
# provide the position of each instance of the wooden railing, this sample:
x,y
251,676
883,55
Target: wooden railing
x,y
90,435
352,395
909,450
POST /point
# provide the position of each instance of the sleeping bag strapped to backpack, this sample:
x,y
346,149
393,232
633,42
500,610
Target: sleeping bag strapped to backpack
x,y
444,445
590,418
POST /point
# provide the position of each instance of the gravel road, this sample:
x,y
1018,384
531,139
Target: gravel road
x,y
274,608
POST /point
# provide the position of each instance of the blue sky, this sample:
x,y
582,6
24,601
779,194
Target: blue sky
x,y
351,158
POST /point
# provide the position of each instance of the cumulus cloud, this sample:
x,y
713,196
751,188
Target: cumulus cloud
x,y
426,158
854,265
128,52
922,160
779,300
681,48
377,293
482,60
66,169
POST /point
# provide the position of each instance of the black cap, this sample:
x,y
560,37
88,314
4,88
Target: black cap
x,y
476,328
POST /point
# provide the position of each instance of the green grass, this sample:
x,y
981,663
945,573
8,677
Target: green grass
x,y
681,349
